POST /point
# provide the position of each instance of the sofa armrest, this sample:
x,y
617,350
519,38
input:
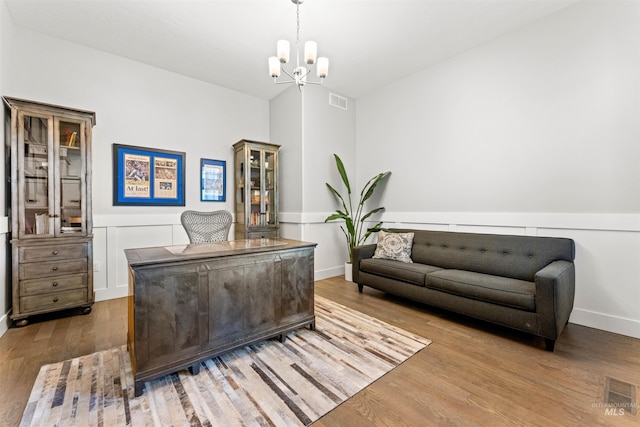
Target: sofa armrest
x,y
555,291
359,253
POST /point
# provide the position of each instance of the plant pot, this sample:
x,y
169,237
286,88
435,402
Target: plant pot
x,y
348,272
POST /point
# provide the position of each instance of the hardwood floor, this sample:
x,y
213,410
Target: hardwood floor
x,y
51,339
474,373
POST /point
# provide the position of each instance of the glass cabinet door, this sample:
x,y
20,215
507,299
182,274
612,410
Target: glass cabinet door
x,y
51,165
35,162
240,181
256,214
269,190
262,184
71,169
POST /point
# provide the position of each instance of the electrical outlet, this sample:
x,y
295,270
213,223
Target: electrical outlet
x,y
96,266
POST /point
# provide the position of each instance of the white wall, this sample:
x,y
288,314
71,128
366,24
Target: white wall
x,y
311,131
542,120
285,124
135,104
536,132
6,36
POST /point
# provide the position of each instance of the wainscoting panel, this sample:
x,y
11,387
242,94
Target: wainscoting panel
x,y
607,252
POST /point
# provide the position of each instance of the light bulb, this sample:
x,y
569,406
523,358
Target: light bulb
x,y
274,67
283,51
310,52
323,67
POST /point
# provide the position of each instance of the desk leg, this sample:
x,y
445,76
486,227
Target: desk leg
x,y
138,388
195,369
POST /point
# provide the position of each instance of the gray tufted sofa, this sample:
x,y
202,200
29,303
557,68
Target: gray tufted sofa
x,y
522,282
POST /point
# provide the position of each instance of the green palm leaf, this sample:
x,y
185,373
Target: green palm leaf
x,y
354,220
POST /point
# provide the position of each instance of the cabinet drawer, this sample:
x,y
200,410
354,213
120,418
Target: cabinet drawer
x,y
52,269
53,284
53,301
52,252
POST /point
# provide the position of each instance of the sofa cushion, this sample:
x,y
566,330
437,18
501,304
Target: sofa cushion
x,y
494,289
395,246
410,273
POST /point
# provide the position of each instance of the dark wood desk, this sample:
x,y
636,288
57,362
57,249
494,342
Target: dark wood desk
x,y
192,302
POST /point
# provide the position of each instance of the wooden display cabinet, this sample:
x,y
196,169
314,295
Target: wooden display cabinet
x,y
48,151
256,189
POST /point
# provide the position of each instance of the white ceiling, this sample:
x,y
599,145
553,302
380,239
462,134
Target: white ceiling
x,y
227,42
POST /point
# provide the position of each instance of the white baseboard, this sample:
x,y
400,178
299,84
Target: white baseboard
x,y
5,322
107,294
607,322
329,272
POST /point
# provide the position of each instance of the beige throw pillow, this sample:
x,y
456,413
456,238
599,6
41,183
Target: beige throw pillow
x,y
394,246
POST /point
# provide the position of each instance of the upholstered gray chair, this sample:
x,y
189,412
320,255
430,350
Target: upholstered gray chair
x,y
205,227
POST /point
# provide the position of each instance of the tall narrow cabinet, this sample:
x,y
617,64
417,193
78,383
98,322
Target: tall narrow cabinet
x,y
48,168
256,189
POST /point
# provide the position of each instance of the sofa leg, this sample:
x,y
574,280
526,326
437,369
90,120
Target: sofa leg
x,y
550,344
360,287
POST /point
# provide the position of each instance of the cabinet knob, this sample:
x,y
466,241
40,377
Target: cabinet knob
x,y
55,299
55,268
54,284
54,253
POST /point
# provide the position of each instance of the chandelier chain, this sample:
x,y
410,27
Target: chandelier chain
x,y
298,34
297,23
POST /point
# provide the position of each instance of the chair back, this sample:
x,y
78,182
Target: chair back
x,y
205,227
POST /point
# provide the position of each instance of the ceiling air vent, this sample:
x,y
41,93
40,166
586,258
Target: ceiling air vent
x,y
338,101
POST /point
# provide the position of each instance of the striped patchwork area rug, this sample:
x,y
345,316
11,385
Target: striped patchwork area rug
x,y
271,383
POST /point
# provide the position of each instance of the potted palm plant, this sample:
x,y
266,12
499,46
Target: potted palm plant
x,y
354,217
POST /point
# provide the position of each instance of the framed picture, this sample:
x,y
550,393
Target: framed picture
x,y
147,176
213,180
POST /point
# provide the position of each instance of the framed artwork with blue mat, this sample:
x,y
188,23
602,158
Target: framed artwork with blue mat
x,y
147,176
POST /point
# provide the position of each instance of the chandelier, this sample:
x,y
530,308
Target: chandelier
x,y
299,73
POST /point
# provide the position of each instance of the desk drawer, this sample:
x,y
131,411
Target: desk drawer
x,y
52,269
53,301
53,284
52,252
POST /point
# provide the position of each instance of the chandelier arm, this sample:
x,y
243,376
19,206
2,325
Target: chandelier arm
x,y
314,83
284,70
320,82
